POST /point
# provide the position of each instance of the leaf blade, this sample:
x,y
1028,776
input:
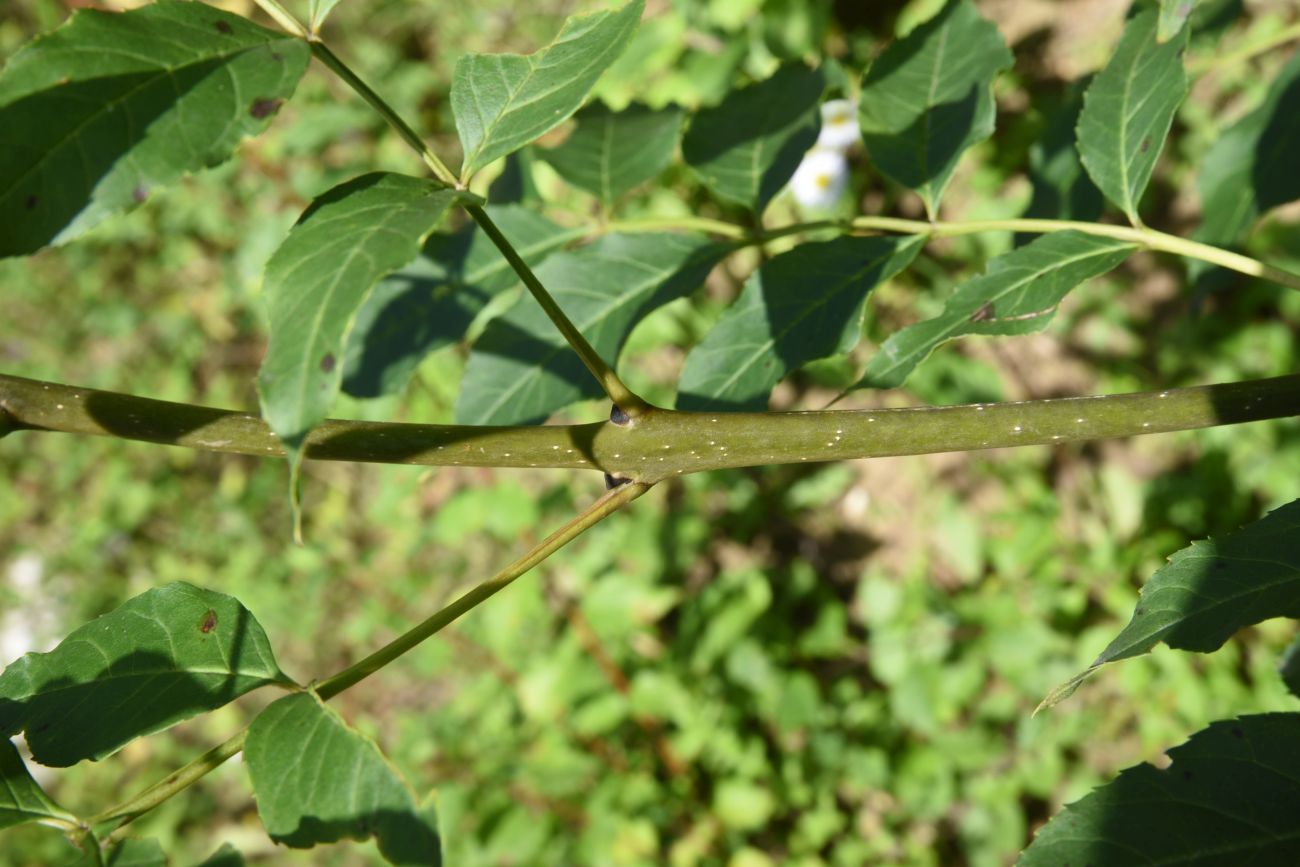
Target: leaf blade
x,y
1128,110
611,152
1225,798
1017,294
21,798
292,748
746,148
196,649
88,127
929,98
521,370
504,101
805,304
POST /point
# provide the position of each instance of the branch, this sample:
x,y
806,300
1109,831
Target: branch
x,y
662,443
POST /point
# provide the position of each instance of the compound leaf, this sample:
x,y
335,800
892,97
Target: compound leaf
x,y
929,97
521,370
319,781
1210,590
748,147
431,302
21,798
161,657
1128,109
504,101
610,152
802,305
318,279
1018,294
1226,798
110,106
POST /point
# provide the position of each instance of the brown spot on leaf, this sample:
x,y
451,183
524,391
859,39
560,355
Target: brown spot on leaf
x,y
1146,144
327,363
140,193
984,314
208,621
223,27
264,108
31,201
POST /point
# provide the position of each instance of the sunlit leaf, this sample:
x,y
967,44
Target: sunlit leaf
x,y
163,656
802,305
318,11
747,148
521,370
430,302
1173,15
1210,590
1128,109
610,152
1017,294
504,101
1227,798
21,798
99,113
929,97
317,280
319,781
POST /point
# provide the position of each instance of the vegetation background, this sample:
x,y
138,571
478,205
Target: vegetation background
x,y
812,665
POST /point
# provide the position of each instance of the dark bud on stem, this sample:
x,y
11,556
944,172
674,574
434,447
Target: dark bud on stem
x,y
617,416
611,483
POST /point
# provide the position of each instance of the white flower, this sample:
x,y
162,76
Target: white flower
x,y
820,178
839,125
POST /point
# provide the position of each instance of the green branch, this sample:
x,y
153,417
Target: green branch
x,y
662,443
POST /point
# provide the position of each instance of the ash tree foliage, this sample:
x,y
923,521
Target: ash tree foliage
x,y
384,268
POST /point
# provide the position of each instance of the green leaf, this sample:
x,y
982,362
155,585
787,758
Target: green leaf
x,y
1173,15
431,302
521,370
161,657
318,11
1289,668
929,97
318,279
319,781
97,114
1017,294
1062,190
1127,111
504,101
803,305
610,152
21,798
1210,590
1252,166
1227,798
226,856
747,148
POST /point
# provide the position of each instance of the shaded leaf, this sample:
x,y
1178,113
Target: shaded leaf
x,y
1210,590
132,852
803,305
929,97
1252,166
1062,190
1289,668
431,302
521,370
319,781
21,798
318,279
1173,15
504,101
1128,109
747,148
161,657
1227,798
1017,294
226,856
515,184
610,152
97,114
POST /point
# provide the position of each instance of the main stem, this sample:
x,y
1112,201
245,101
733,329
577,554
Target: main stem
x,y
660,443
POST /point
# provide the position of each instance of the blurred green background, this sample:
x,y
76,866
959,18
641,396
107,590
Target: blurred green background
x,y
813,665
